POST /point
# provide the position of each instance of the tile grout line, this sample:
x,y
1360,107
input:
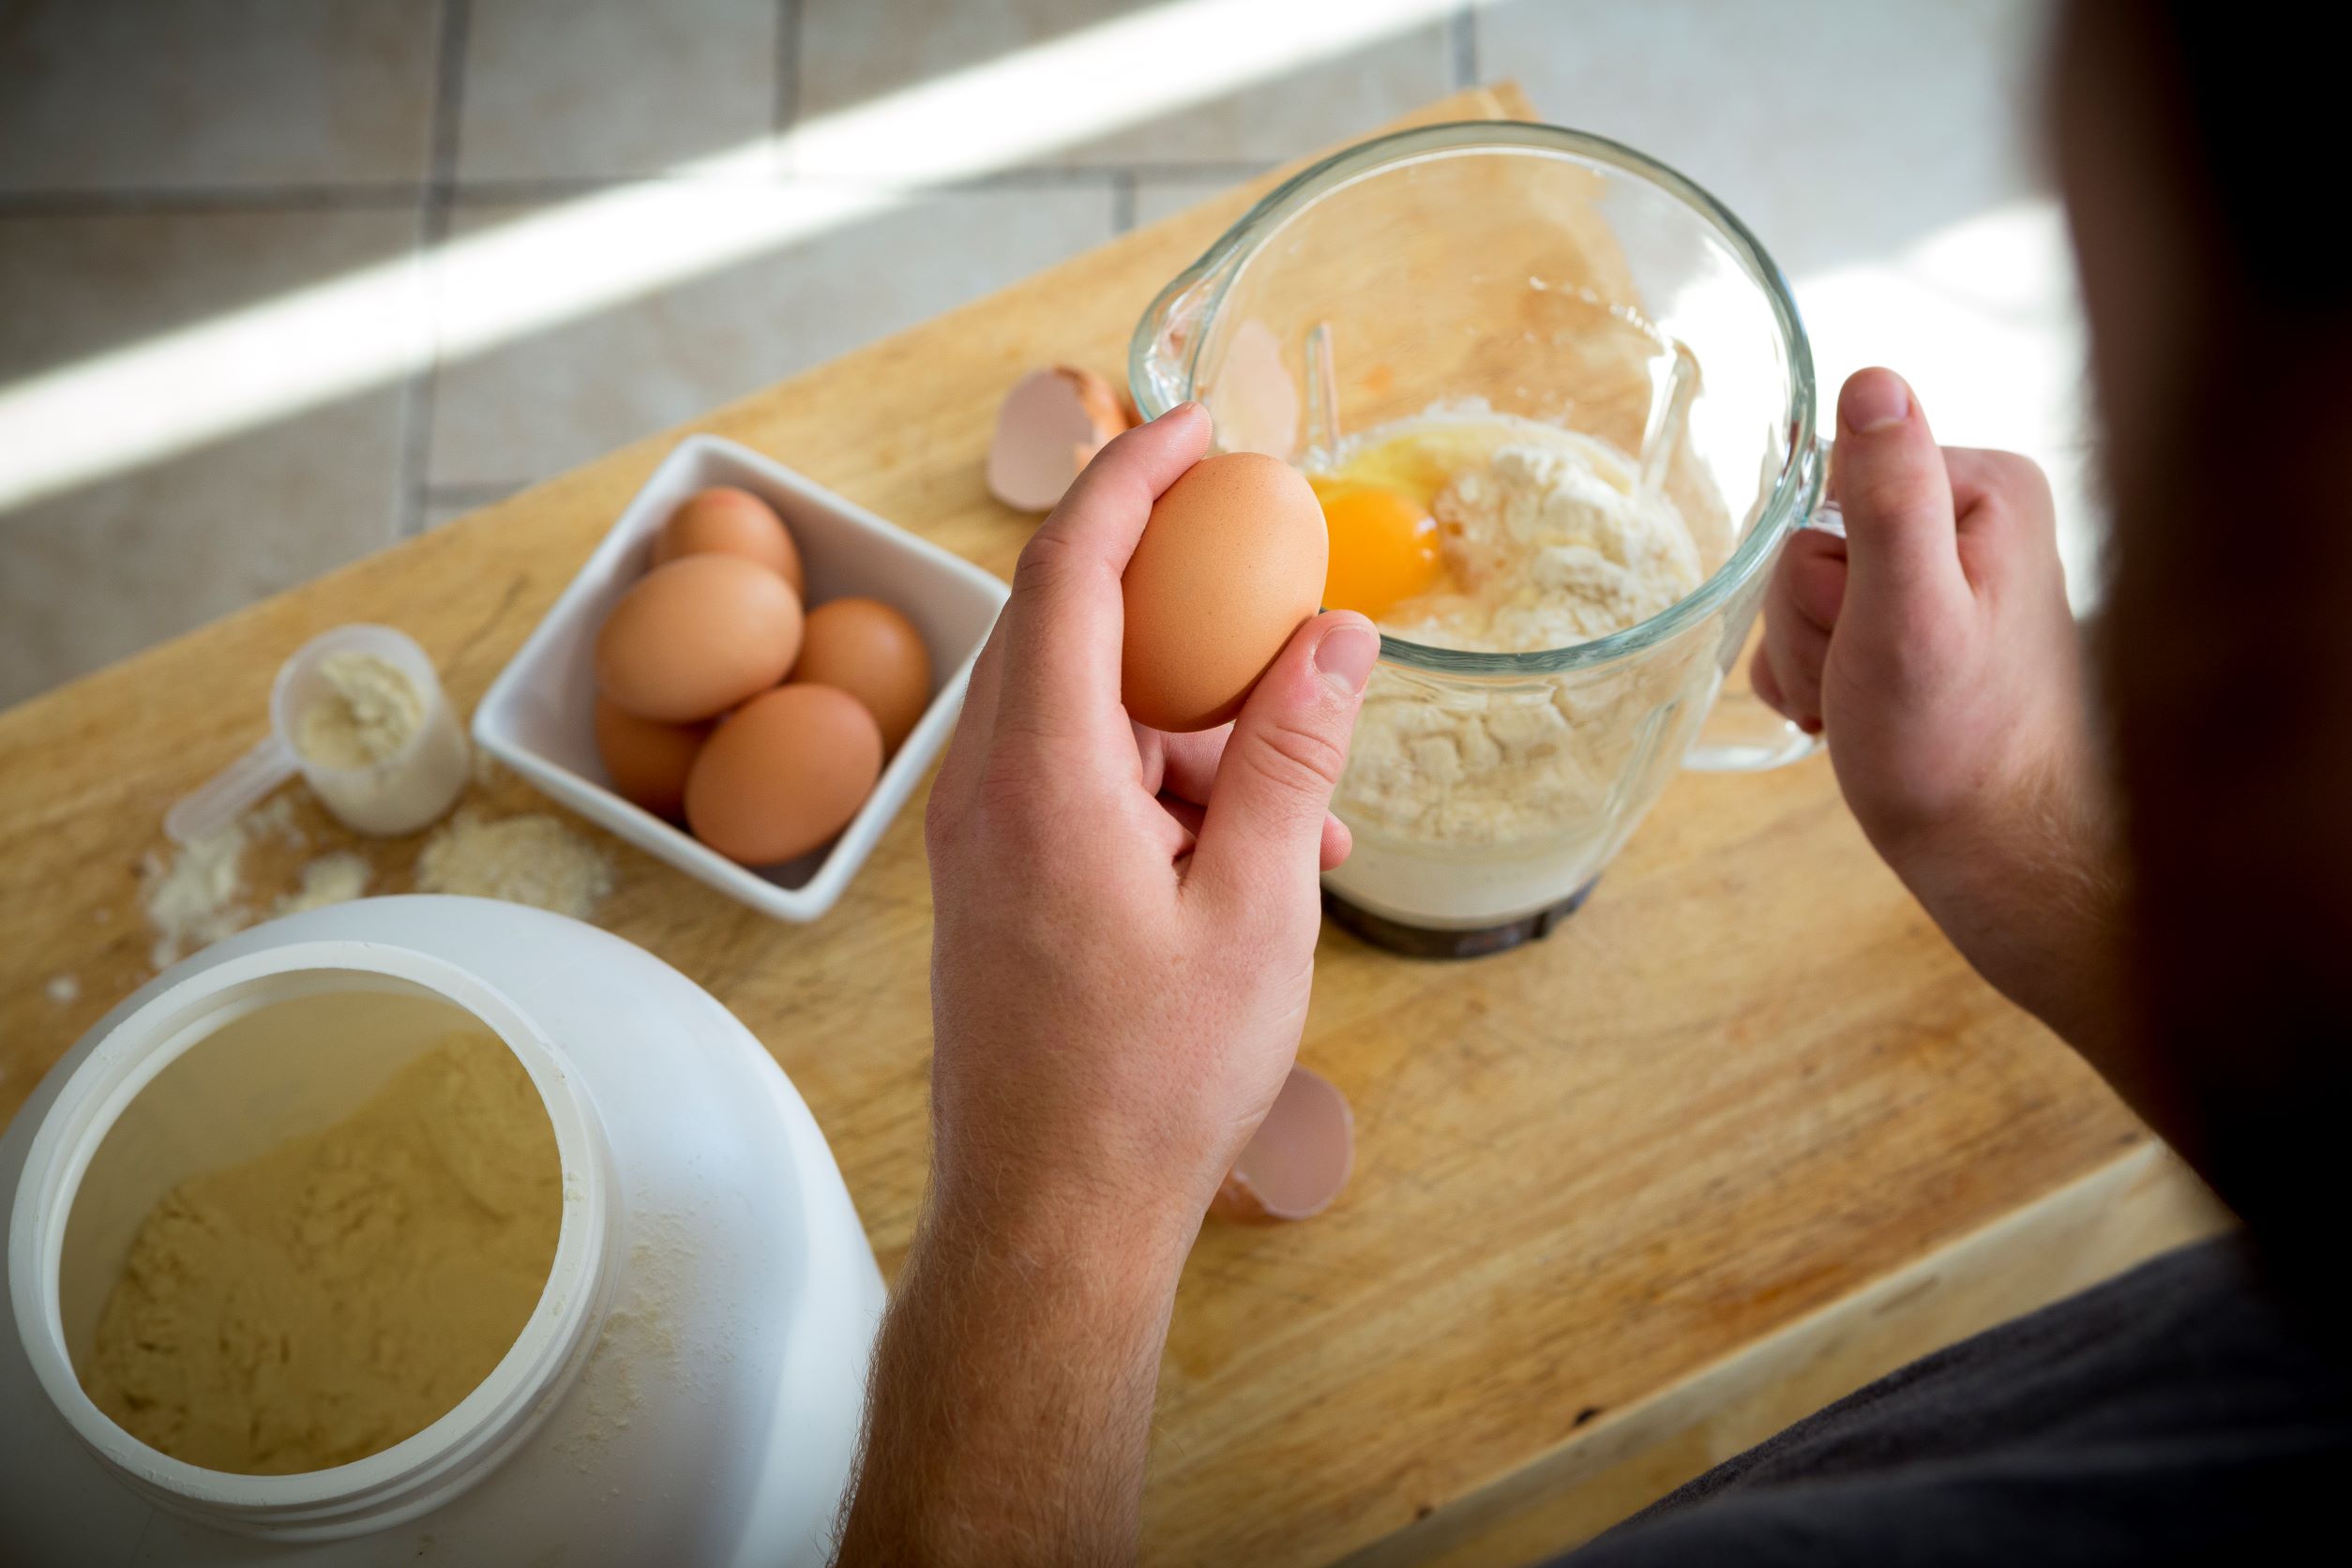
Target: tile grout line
x,y
448,108
457,193
1122,191
384,196
1462,31
434,227
786,108
1047,174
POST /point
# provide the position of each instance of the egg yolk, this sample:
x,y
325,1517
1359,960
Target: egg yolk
x,y
1383,548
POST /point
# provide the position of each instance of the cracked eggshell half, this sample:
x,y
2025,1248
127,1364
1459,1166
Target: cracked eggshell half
x,y
1051,424
1298,1160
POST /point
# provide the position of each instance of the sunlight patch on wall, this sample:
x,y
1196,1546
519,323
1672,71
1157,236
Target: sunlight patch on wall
x,y
180,390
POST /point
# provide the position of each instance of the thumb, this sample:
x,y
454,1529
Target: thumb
x,y
1900,538
1262,838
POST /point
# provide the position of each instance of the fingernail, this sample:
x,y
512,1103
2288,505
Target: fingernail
x,y
1191,405
1874,400
1346,654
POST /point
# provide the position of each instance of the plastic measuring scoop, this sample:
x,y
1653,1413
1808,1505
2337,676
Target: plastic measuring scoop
x,y
398,794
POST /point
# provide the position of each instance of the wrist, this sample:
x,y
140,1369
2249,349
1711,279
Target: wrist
x,y
1070,1235
2040,851
1012,1386
2030,888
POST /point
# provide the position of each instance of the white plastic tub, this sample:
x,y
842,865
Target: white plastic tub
x,y
688,1386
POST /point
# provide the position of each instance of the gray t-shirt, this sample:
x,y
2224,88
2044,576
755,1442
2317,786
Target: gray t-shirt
x,y
2176,1414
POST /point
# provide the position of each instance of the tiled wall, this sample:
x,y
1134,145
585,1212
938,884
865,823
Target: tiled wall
x,y
169,166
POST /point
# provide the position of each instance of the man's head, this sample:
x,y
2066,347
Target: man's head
x,y
2195,148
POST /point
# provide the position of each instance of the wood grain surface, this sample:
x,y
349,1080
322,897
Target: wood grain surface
x,y
1742,1090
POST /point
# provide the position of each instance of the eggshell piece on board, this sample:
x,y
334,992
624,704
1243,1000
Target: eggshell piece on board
x,y
1298,1160
729,522
649,760
1048,429
783,774
1229,563
696,636
872,652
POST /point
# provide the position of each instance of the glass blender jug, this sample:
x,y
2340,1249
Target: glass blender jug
x,y
1528,271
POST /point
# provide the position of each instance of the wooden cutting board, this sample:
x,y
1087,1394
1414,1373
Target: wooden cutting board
x,y
1743,1133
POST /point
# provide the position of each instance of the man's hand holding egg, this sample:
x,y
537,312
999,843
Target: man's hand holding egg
x,y
721,699
1126,916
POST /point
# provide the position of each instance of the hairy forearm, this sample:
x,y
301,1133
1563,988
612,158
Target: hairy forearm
x,y
1011,1398
2034,897
2041,922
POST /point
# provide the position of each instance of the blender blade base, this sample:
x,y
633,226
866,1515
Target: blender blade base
x,y
1423,942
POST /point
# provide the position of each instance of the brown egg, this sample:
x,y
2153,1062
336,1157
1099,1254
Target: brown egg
x,y
783,774
696,636
1230,562
873,652
730,522
648,760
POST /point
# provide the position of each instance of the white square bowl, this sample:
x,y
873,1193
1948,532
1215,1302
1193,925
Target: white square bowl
x,y
538,716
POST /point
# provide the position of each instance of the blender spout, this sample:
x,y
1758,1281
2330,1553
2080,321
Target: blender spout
x,y
1165,349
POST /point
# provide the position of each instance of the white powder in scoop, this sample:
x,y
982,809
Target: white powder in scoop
x,y
531,859
382,751
368,713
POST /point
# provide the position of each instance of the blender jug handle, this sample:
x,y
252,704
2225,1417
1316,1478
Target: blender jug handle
x,y
1742,734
